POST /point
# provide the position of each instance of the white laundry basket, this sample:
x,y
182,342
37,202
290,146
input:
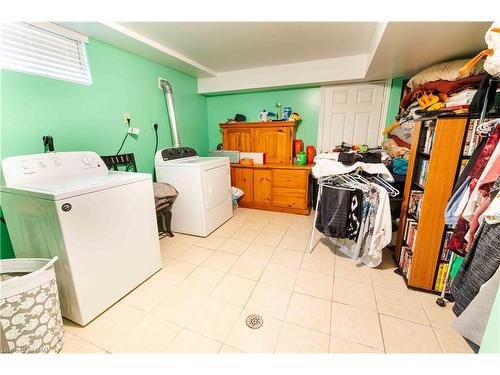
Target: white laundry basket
x,y
30,313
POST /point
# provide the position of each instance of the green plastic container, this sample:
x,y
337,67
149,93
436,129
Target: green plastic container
x,y
301,158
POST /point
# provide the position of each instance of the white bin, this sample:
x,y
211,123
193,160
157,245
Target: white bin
x,y
30,313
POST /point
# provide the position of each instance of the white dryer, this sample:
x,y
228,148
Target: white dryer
x,y
101,225
204,185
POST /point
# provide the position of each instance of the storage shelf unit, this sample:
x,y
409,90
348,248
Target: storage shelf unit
x,y
439,164
277,185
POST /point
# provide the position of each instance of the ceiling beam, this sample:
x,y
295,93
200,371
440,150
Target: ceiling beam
x,y
310,72
129,40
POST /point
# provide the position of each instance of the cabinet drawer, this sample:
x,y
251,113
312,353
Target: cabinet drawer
x,y
286,197
288,178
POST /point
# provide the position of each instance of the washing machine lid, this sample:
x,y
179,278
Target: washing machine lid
x,y
72,186
197,162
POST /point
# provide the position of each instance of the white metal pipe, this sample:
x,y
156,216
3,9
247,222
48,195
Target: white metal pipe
x,y
167,89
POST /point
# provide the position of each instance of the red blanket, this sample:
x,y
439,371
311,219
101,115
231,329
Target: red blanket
x,y
442,86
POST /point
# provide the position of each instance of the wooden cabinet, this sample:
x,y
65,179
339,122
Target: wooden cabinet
x,y
277,185
275,142
275,139
243,179
273,187
262,186
238,139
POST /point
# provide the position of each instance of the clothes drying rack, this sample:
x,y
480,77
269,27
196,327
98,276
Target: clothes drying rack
x,y
348,181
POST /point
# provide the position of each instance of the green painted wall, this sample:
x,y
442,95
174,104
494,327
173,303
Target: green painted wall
x,y
491,339
394,99
83,117
305,101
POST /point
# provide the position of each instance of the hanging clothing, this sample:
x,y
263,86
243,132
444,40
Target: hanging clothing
x,y
335,208
382,231
479,265
491,184
492,213
484,157
449,214
375,231
353,249
472,199
355,215
472,322
468,167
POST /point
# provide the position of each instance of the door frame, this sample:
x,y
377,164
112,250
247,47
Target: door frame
x,y
383,113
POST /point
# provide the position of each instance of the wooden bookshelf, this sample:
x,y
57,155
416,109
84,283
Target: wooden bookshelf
x,y
444,158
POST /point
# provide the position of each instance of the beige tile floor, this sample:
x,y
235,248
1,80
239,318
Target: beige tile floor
x,y
257,263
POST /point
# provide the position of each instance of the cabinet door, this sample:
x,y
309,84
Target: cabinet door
x,y
243,179
262,186
276,142
237,139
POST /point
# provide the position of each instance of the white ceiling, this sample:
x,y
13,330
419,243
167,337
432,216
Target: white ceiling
x,y
235,56
227,46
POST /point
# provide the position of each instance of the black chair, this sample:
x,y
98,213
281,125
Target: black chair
x,y
165,194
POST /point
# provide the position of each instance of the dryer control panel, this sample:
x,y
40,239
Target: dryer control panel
x,y
174,153
20,169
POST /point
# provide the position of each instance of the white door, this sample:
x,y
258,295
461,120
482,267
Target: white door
x,y
353,114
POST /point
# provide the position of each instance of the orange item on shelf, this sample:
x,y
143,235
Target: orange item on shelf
x,y
311,153
246,161
298,146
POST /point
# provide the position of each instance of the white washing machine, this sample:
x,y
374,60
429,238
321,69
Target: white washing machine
x,y
101,225
204,184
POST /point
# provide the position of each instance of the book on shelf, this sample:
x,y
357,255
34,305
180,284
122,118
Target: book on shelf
x,y
410,232
415,202
405,261
472,138
429,139
445,253
422,174
441,276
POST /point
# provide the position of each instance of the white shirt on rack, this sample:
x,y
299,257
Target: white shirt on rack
x,y
326,164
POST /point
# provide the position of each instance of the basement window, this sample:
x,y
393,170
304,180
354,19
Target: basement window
x,y
45,49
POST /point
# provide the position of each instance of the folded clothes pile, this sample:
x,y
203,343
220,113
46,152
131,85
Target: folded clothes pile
x,y
440,88
349,158
462,98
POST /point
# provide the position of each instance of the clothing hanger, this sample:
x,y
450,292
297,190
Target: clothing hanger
x,y
486,127
391,190
331,182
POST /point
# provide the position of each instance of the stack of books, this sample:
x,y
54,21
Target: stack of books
x,y
415,202
410,232
429,139
441,276
422,175
405,261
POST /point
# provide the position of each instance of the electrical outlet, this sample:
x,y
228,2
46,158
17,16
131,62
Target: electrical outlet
x,y
126,117
133,130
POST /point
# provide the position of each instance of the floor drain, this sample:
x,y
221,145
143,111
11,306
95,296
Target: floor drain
x,y
254,321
